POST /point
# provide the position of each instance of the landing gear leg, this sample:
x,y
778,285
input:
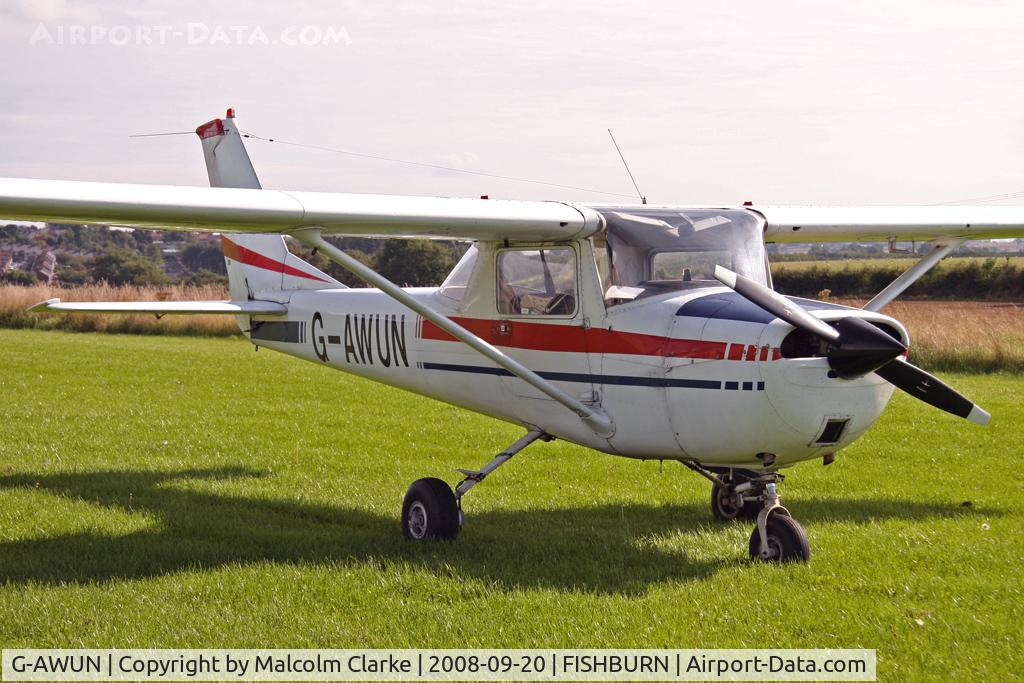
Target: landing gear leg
x,y
432,510
777,537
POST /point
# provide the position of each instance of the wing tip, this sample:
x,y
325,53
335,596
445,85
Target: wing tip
x,y
43,305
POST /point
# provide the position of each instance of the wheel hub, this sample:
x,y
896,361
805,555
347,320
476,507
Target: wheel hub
x,y
417,520
727,501
774,549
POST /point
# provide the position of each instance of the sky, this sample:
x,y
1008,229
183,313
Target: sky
x,y
858,102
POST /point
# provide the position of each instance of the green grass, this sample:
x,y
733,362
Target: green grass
x,y
183,492
903,262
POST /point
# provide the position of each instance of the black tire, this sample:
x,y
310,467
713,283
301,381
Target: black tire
x,y
786,539
430,511
724,508
723,503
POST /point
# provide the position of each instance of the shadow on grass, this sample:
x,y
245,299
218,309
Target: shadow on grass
x,y
598,548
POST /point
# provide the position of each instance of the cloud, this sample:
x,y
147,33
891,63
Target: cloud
x,y
35,11
465,160
802,102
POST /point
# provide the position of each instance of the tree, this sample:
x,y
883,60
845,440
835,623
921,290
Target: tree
x,y
20,277
205,277
415,263
71,269
204,256
328,266
16,234
343,276
122,266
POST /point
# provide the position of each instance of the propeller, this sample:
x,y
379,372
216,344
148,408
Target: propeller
x,y
855,347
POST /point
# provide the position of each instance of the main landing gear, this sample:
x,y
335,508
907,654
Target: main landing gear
x,y
745,494
432,510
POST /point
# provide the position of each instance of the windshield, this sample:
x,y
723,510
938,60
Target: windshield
x,y
657,250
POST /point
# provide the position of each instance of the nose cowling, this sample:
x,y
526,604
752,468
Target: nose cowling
x,y
862,348
853,349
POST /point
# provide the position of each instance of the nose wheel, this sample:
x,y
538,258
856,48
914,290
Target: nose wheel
x,y
746,494
785,541
777,537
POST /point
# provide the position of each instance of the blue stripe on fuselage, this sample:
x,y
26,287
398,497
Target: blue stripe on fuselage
x,y
620,380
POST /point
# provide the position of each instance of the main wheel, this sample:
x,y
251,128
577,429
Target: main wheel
x,y
787,541
430,511
727,506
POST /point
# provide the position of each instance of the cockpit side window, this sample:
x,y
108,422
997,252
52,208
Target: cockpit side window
x,y
537,281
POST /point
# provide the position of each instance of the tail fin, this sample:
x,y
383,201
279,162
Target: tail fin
x,y
255,262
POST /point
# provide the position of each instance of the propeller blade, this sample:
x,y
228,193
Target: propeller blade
x,y
776,304
931,390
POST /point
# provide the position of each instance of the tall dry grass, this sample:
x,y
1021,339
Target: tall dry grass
x,y
14,301
967,336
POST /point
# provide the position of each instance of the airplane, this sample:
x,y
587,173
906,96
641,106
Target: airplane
x,y
642,331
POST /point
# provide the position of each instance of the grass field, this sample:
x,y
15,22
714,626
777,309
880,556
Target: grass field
x,y
888,262
184,492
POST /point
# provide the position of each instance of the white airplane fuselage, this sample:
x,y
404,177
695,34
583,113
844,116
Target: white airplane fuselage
x,y
604,325
694,375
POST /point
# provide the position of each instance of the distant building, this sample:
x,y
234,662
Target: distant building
x,y
45,266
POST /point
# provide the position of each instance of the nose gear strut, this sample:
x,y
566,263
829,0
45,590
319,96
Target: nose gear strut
x,y
746,494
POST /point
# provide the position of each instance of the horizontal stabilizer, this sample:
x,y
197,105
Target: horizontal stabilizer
x,y
160,308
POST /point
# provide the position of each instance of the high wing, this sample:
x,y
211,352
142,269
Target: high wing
x,y
883,223
221,209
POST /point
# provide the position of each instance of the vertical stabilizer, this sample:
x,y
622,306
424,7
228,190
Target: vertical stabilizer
x,y
227,161
255,262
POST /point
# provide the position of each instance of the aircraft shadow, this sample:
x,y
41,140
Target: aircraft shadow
x,y
602,549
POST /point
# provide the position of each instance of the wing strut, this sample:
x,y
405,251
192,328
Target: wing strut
x,y
913,274
592,416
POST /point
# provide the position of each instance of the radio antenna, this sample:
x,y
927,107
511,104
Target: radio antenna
x,y
643,199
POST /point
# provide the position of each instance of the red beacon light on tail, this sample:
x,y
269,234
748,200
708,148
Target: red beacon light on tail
x,y
230,114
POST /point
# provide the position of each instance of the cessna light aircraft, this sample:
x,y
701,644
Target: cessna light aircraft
x,y
648,332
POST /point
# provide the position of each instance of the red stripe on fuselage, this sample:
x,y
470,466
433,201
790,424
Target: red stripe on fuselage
x,y
573,339
252,258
